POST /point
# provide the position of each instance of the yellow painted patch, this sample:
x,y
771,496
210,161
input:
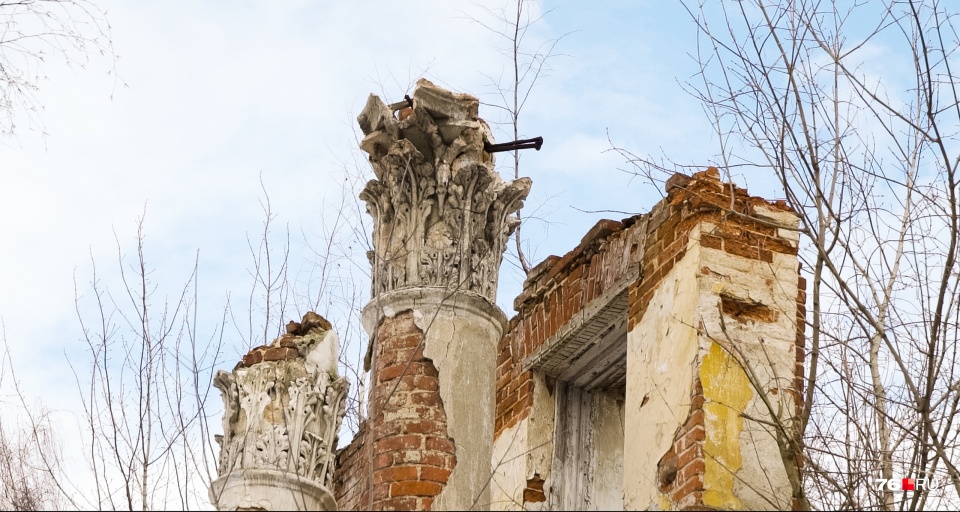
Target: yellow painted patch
x,y
726,392
663,502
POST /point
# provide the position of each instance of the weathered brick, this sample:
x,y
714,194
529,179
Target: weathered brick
x,y
395,474
696,435
415,488
579,277
738,248
430,398
430,370
426,383
385,429
391,372
398,443
711,242
435,459
430,413
688,455
441,444
383,460
423,427
693,469
399,503
533,496
252,358
435,474
406,341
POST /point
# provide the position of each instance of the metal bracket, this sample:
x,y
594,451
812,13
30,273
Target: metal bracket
x,y
407,102
533,143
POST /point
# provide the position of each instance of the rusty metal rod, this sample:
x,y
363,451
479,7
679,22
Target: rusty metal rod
x,y
407,102
534,143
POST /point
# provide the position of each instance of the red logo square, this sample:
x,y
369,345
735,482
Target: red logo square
x,y
908,484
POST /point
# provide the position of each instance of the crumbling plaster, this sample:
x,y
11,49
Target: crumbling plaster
x,y
685,335
283,405
711,332
661,354
524,452
461,331
758,479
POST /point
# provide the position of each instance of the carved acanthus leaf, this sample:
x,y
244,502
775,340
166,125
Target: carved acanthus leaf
x,y
441,212
284,415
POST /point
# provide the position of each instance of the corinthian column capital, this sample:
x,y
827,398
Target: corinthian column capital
x,y
283,405
441,213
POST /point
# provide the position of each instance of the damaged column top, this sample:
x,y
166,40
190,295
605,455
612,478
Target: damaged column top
x,y
441,212
283,406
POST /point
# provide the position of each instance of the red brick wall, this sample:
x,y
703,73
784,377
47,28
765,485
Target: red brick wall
x,y
801,340
558,288
411,455
680,471
554,291
691,202
351,477
405,440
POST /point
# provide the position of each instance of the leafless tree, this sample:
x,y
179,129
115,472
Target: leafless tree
x,y
270,289
25,483
528,65
30,456
35,30
851,110
145,390
334,279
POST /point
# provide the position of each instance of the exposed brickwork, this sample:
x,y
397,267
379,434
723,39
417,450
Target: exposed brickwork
x,y
402,461
680,471
801,338
282,349
351,480
533,493
405,440
746,310
558,288
798,385
703,198
285,348
555,290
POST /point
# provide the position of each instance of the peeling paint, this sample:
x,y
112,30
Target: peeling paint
x,y
727,392
661,353
663,502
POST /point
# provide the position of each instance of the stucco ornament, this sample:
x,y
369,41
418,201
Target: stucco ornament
x,y
441,213
281,417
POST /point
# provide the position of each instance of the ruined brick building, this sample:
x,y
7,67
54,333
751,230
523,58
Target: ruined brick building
x,y
654,366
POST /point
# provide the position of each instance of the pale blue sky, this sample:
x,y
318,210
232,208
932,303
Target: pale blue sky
x,y
215,95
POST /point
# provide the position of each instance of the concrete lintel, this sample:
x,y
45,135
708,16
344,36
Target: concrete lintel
x,y
587,335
